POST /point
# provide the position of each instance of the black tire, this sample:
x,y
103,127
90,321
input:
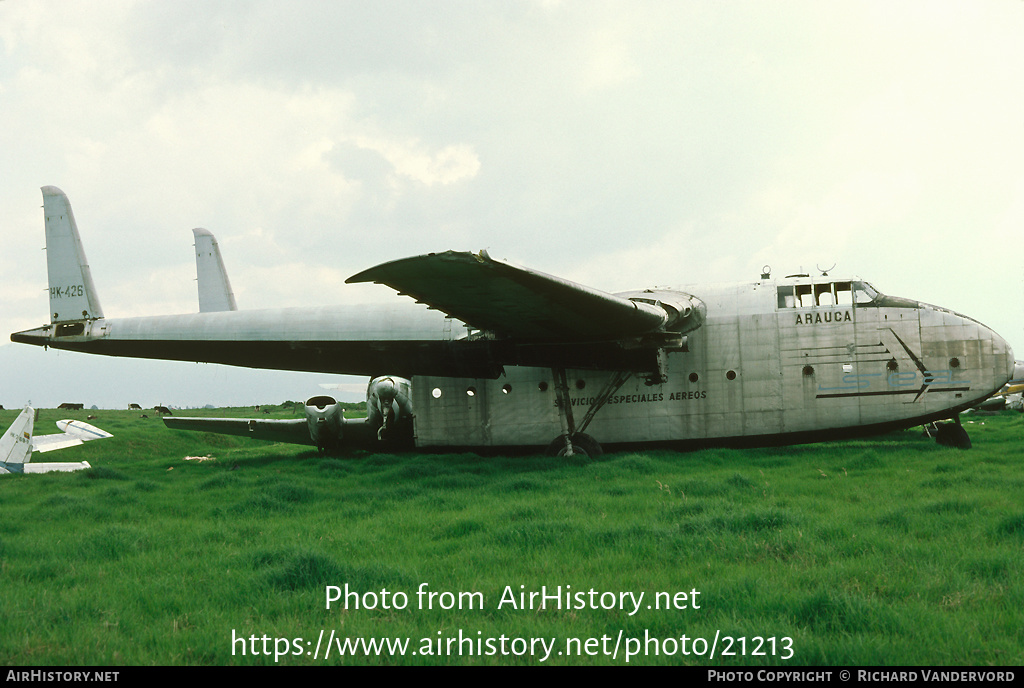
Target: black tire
x,y
582,445
953,435
588,444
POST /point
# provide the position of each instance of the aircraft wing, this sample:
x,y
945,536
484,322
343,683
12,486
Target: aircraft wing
x,y
294,431
514,301
74,432
45,443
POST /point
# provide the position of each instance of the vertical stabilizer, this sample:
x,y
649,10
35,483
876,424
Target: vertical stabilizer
x,y
16,444
72,293
214,287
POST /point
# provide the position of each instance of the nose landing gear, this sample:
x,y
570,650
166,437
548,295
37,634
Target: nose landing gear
x,y
952,434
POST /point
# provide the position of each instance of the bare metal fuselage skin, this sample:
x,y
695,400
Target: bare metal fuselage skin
x,y
775,361
763,369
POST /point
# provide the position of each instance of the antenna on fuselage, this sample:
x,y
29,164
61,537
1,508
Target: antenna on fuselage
x,y
824,273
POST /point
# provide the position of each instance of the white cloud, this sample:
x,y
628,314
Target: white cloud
x,y
413,160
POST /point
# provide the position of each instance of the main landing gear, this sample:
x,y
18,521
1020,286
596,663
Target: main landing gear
x,y
573,441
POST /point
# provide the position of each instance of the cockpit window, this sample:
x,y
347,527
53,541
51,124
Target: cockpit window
x,y
826,294
864,293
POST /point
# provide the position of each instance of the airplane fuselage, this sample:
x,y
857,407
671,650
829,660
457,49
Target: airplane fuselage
x,y
776,361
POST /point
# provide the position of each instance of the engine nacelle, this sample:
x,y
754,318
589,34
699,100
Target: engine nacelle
x,y
388,405
326,422
685,312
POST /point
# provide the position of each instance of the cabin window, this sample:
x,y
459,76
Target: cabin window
x,y
804,296
796,296
823,295
786,297
844,293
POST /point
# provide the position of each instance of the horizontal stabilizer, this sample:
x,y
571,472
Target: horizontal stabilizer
x,y
294,431
65,467
514,301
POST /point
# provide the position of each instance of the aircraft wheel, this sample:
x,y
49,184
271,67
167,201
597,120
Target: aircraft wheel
x,y
588,444
953,435
582,445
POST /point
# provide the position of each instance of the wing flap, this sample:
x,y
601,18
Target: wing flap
x,y
514,301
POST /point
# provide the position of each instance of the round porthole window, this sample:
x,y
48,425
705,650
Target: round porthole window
x,y
436,393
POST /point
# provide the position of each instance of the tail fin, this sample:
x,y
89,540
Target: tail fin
x,y
214,288
72,293
16,444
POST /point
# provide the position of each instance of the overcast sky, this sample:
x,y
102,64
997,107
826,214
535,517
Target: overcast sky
x,y
618,144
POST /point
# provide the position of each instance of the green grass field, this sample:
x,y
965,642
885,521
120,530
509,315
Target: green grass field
x,y
882,551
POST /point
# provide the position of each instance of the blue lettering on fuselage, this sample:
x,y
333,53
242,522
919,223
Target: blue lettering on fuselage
x,y
855,381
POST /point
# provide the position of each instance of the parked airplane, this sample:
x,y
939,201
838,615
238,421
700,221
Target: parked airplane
x,y
18,443
1010,396
508,356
